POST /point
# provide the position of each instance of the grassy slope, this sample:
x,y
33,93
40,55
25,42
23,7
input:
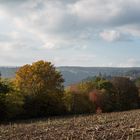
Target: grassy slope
x,y
109,126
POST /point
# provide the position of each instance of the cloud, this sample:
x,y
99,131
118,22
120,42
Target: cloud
x,y
115,35
131,62
69,19
77,60
38,27
108,12
111,35
94,11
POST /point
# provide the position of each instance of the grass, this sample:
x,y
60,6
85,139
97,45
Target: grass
x,y
107,126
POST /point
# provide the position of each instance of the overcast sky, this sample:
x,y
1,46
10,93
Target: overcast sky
x,y
70,32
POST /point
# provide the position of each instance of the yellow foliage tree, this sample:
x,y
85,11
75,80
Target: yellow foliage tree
x,y
42,86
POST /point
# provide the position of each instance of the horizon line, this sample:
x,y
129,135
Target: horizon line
x,y
79,66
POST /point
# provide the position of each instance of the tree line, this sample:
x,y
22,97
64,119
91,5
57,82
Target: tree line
x,y
37,91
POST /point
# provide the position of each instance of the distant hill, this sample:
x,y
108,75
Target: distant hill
x,y
8,72
76,74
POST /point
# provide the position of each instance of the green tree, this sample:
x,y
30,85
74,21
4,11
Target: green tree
x,y
125,93
14,105
5,88
10,102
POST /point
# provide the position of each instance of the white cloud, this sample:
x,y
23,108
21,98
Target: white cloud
x,y
70,19
116,35
77,60
95,11
111,35
50,25
131,62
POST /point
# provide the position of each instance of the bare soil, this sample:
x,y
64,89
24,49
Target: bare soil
x,y
106,126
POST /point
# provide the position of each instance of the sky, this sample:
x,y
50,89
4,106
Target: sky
x,y
103,33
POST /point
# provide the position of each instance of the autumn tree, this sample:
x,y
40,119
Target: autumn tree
x,y
78,102
77,98
42,86
101,94
87,86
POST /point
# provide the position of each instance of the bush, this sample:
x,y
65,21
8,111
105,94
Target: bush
x,y
43,105
14,105
10,100
2,106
